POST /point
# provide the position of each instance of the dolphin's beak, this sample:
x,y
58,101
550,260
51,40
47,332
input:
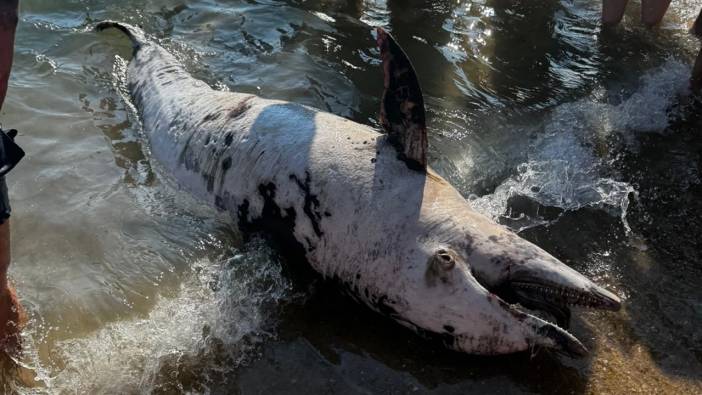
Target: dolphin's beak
x,y
544,283
519,275
504,326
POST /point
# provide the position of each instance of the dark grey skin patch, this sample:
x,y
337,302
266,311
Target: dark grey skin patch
x,y
226,165
445,338
213,116
214,168
176,121
384,306
219,203
273,221
240,108
242,214
311,205
210,171
187,159
468,246
310,245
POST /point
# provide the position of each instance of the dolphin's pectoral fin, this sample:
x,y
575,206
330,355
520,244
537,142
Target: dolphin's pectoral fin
x,y
402,107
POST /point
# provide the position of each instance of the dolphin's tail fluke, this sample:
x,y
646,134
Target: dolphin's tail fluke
x,y
135,34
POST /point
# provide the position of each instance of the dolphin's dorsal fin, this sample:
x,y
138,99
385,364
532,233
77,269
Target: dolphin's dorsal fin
x,y
402,107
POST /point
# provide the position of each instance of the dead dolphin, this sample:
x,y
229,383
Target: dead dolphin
x,y
360,206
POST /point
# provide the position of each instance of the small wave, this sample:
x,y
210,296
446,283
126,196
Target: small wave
x,y
568,165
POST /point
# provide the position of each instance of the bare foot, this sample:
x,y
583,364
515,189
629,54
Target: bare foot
x,y
12,319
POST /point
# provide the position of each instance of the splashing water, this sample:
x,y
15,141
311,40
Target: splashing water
x,y
568,164
221,313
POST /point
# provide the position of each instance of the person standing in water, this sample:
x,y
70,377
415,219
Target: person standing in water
x,y
652,11
11,313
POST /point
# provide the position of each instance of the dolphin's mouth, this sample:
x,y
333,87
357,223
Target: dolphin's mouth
x,y
542,296
555,299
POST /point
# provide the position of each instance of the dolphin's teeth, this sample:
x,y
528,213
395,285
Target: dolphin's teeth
x,y
561,295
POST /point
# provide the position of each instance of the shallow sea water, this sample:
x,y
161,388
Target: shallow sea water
x,y
586,141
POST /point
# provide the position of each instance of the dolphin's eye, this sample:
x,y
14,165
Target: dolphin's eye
x,y
445,259
440,266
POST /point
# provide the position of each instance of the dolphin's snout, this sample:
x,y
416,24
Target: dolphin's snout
x,y
520,272
528,279
548,284
607,300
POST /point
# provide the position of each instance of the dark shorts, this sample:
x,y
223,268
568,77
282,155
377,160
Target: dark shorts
x,y
4,202
10,155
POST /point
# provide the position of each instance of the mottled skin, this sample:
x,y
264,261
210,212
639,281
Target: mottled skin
x,y
402,241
